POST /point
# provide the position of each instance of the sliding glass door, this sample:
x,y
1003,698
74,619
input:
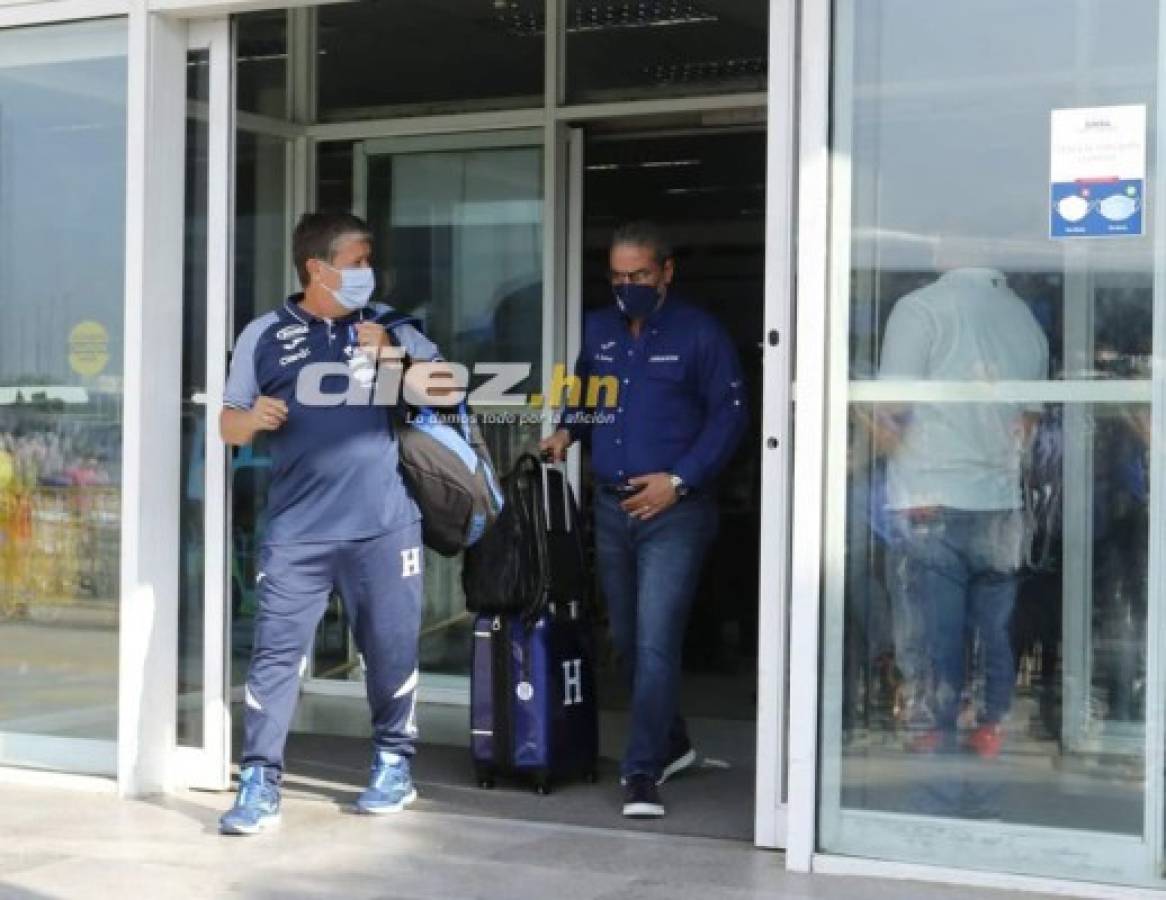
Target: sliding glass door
x,y
992,685
62,265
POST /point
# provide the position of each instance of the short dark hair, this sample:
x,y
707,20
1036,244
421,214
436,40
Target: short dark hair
x,y
644,234
318,235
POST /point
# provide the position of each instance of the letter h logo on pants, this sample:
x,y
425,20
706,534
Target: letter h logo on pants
x,y
410,562
572,682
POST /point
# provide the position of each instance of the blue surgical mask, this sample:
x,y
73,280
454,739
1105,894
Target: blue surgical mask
x,y
356,286
636,301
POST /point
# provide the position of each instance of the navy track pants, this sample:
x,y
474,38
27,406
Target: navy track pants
x,y
381,582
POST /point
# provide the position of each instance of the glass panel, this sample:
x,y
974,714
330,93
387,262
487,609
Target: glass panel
x,y
956,618
392,57
191,516
334,176
665,48
62,250
263,278
459,244
263,271
460,237
986,649
261,63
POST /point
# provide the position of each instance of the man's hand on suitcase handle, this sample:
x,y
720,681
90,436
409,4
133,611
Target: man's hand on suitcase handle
x,y
554,448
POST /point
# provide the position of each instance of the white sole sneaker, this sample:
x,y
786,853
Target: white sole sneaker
x,y
262,825
678,765
643,810
397,807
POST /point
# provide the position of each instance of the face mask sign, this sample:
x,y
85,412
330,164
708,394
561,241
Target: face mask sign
x,y
636,301
1118,207
1073,208
356,286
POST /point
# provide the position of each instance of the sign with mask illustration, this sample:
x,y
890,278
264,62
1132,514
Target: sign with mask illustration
x,y
1098,172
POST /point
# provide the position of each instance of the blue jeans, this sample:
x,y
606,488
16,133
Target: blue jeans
x,y
953,573
649,572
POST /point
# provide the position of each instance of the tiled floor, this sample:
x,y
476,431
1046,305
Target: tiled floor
x,y
64,844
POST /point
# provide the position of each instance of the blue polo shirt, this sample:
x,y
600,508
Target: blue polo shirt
x,y
681,401
334,473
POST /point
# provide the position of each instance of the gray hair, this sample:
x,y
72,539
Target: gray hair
x,y
644,234
318,235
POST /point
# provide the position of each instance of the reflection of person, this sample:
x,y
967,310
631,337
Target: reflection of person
x,y
953,488
680,415
338,516
7,463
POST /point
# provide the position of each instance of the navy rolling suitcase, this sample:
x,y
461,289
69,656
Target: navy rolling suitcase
x,y
533,708
532,699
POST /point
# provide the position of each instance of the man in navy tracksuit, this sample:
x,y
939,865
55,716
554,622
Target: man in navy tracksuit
x,y
679,416
339,515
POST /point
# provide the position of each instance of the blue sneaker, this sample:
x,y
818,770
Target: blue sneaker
x,y
257,806
391,788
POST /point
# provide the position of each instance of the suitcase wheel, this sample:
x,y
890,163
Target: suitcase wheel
x,y
542,784
485,777
591,776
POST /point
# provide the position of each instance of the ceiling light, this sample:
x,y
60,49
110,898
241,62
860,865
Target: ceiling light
x,y
668,163
525,18
708,70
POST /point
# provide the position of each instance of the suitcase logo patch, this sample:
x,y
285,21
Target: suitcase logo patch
x,y
572,682
525,691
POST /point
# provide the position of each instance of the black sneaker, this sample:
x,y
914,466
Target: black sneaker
x,y
681,757
641,799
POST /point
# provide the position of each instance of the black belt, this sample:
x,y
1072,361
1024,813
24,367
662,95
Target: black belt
x,y
612,490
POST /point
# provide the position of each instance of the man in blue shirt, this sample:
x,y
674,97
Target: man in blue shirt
x,y
656,451
339,515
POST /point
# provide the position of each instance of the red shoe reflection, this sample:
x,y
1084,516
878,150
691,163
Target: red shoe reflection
x,y
925,741
987,741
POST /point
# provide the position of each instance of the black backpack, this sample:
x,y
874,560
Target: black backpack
x,y
532,556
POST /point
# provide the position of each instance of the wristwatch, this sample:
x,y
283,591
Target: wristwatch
x,y
679,486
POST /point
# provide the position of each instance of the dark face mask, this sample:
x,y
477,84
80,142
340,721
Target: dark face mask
x,y
636,301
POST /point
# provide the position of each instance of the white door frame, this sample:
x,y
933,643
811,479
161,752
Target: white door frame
x,y
151,453
813,199
771,812
143,759
208,766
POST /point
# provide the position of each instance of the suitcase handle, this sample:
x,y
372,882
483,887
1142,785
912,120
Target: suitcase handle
x,y
541,516
574,518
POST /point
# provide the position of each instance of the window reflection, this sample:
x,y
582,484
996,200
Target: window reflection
x,y
62,189
954,504
986,653
956,620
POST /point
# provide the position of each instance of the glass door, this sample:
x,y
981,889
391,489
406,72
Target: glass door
x,y
458,228
203,715
63,102
991,681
